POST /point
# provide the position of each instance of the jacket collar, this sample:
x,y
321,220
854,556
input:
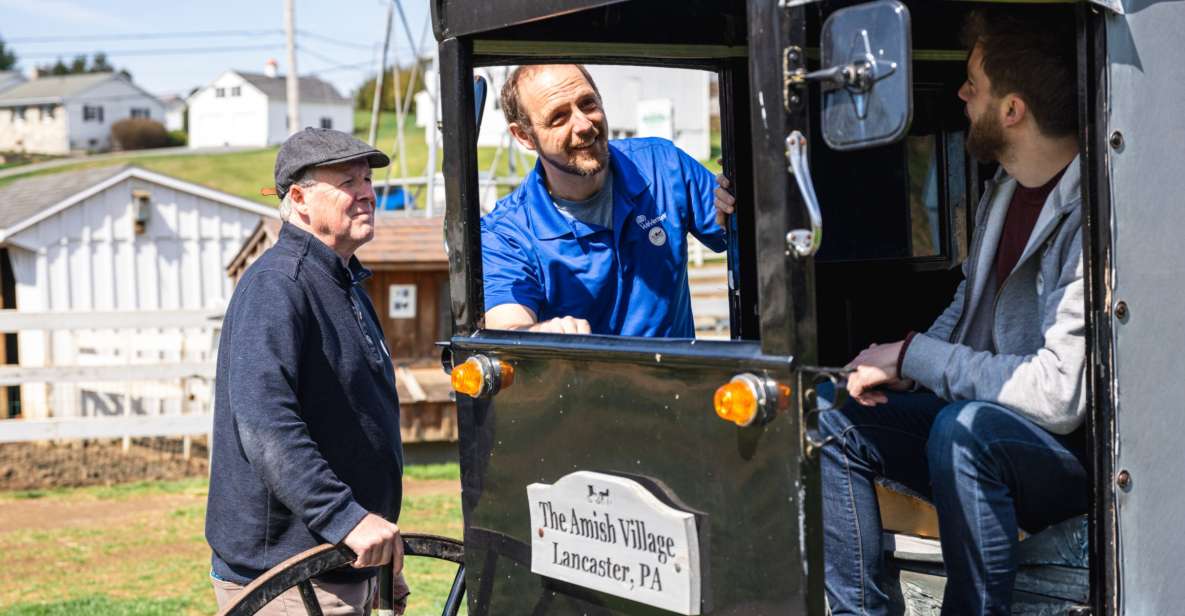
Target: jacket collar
x,y
993,211
322,257
1064,197
549,223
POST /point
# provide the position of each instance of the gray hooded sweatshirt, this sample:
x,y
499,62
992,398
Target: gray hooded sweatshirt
x,y
1024,346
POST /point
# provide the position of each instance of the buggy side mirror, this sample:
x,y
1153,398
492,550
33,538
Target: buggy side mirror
x,y
869,101
866,75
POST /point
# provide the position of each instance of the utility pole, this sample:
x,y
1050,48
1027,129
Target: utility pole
x,y
292,77
378,82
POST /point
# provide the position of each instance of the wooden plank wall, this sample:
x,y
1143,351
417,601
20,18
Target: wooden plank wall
x,y
412,341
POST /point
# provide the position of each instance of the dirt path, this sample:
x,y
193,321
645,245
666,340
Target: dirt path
x,y
51,513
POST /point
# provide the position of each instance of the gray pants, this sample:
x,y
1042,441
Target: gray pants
x,y
352,599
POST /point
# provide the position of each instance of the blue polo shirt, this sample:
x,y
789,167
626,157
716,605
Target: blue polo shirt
x,y
630,280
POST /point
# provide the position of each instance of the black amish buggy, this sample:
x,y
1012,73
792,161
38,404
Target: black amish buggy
x,y
609,475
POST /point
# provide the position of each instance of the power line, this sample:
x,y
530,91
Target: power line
x,y
142,35
356,66
318,55
150,52
333,41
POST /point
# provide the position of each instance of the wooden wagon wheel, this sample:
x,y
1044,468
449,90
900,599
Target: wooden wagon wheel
x,y
301,569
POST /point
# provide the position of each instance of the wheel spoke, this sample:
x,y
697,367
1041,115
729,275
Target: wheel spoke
x,y
309,596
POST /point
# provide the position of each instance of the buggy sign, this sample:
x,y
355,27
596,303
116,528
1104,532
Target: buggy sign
x,y
612,534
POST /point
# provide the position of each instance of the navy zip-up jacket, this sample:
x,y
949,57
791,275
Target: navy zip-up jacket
x,y
306,420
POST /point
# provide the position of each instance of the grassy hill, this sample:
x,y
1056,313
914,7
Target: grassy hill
x,y
244,173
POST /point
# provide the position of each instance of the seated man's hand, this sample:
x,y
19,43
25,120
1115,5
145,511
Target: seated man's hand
x,y
376,542
562,325
874,367
725,202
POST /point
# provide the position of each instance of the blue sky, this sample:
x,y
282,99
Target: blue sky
x,y
173,46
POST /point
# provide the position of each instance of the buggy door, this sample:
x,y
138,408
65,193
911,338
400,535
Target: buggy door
x,y
637,414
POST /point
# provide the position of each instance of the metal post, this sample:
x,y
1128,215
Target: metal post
x,y
292,78
430,133
378,82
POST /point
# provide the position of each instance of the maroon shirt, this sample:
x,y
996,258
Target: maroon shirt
x,y
1023,210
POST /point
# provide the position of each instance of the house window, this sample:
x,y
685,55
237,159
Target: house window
x,y
18,113
48,112
326,122
220,92
236,91
92,113
141,112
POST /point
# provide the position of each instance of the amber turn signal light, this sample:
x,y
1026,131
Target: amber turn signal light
x,y
480,376
744,400
468,379
736,401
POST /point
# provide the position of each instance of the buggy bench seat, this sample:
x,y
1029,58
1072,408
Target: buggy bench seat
x,y
1054,562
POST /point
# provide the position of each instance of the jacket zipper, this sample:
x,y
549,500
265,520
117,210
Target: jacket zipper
x,y
987,202
376,355
1000,292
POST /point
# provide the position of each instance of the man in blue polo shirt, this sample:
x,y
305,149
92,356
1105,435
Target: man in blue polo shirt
x,y
595,239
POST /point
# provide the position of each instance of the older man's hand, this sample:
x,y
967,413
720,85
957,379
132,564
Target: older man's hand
x,y
874,367
376,542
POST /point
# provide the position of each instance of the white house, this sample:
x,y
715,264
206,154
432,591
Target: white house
x,y
251,109
60,114
126,242
174,112
640,101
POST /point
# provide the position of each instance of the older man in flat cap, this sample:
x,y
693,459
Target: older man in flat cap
x,y
306,428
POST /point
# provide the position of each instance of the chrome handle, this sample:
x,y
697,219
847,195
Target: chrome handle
x,y
803,242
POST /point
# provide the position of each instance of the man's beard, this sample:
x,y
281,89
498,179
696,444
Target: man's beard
x,y
581,167
985,140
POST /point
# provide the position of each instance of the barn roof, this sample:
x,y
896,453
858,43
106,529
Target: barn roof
x,y
405,240
312,89
25,202
23,199
400,242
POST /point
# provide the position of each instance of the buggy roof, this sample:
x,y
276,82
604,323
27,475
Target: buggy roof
x,y
693,22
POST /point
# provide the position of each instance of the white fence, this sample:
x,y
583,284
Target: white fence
x,y
151,373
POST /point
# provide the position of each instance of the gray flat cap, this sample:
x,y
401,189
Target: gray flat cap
x,y
313,147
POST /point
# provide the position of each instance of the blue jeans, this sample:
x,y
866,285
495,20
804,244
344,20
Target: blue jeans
x,y
988,471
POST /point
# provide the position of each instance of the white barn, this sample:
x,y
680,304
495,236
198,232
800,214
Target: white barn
x,y
116,241
61,114
251,109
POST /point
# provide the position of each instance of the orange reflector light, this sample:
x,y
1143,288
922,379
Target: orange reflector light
x,y
468,378
736,401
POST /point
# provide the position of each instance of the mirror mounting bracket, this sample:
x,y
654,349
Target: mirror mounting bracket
x,y
857,77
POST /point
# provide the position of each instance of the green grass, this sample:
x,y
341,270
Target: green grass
x,y
157,561
104,605
448,470
244,173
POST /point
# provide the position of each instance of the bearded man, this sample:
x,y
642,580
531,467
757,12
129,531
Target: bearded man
x,y
981,413
594,240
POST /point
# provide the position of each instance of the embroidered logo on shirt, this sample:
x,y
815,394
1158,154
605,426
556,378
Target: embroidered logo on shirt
x,y
657,235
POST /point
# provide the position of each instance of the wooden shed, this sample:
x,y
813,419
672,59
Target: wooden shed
x,y
409,290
